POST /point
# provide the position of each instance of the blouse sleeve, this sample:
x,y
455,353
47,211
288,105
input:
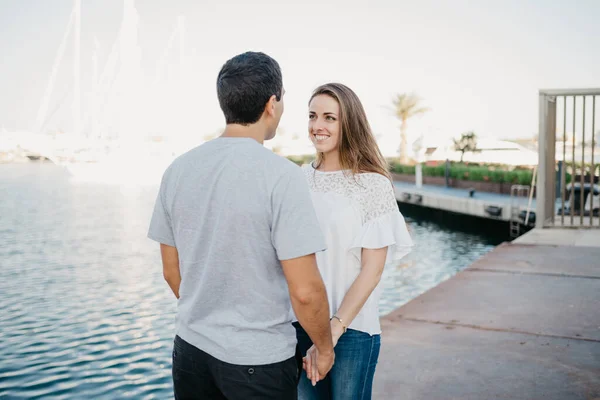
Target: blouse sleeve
x,y
383,224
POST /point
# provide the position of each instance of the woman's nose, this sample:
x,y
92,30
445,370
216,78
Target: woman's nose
x,y
317,126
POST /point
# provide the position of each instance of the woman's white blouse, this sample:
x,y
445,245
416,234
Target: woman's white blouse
x,y
355,212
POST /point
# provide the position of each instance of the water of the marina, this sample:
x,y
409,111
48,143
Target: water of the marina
x,y
85,312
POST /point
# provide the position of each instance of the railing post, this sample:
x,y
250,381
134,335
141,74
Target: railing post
x,y
552,184
550,158
540,209
546,184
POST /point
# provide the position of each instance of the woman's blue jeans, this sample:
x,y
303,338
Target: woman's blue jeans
x,y
351,377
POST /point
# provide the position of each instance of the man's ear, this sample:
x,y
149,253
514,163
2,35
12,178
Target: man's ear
x,y
270,107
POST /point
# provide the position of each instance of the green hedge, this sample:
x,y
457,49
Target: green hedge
x,y
487,173
473,173
301,160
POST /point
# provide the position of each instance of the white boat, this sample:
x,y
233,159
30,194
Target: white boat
x,y
120,99
126,165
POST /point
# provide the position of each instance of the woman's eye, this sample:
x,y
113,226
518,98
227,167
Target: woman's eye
x,y
330,118
311,116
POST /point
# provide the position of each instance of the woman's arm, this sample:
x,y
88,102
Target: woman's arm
x,y
373,261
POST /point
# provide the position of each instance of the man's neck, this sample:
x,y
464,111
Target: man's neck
x,y
254,131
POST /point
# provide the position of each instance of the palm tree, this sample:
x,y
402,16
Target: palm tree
x,y
406,105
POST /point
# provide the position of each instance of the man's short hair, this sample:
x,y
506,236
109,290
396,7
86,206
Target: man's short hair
x,y
245,84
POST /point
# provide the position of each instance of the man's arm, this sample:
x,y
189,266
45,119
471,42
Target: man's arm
x,y
170,260
296,236
309,300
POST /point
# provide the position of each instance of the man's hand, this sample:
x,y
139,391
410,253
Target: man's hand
x,y
317,365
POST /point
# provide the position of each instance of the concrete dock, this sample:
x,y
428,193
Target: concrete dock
x,y
523,322
459,200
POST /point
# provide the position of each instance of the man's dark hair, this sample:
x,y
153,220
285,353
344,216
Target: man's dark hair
x,y
245,84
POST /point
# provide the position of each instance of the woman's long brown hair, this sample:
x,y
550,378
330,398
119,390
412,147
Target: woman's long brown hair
x,y
358,150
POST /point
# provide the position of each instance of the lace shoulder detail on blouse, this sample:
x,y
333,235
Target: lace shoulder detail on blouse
x,y
373,192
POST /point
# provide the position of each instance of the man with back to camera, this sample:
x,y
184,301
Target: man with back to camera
x,y
238,234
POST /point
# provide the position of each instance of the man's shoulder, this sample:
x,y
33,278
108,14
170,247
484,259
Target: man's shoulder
x,y
283,162
181,158
273,166
180,162
280,166
198,152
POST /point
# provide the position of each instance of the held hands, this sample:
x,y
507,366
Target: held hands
x,y
317,364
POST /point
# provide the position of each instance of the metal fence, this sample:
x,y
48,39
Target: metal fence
x,y
568,191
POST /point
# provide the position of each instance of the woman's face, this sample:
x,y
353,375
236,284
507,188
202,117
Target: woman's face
x,y
324,123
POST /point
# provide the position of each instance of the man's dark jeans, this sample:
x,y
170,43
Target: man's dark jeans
x,y
198,375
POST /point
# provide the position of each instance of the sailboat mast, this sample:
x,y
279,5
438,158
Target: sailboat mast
x,y
77,69
181,26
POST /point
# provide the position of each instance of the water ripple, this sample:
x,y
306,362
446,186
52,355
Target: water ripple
x,y
85,310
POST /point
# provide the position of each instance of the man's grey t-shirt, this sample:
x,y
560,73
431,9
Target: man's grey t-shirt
x,y
233,210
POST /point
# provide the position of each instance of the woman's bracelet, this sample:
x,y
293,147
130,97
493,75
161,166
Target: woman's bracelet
x,y
341,322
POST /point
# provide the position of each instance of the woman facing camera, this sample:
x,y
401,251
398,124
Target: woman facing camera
x,y
356,207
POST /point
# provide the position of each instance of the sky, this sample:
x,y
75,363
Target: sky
x,y
478,65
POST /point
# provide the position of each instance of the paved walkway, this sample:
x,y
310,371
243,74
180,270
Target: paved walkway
x,y
523,322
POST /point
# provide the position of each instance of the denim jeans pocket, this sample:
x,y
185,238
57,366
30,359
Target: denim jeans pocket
x,y
285,371
237,373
